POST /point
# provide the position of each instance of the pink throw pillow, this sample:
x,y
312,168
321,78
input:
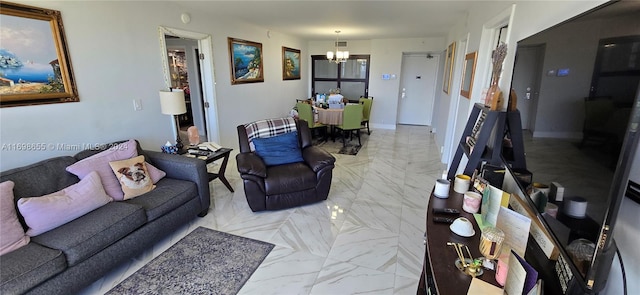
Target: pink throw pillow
x,y
12,234
155,173
45,213
100,163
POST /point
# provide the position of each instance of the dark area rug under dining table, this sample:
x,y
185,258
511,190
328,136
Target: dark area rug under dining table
x,y
336,146
205,261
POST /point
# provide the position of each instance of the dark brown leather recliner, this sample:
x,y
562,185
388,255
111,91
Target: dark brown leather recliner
x,y
287,185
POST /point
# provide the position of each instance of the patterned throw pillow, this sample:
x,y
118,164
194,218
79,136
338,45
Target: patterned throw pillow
x,y
133,176
100,163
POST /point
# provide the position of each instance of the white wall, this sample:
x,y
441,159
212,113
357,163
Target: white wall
x,y
386,58
115,54
440,106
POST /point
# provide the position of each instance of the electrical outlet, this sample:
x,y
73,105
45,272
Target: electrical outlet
x,y
137,104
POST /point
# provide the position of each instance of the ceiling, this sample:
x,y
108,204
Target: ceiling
x,y
356,19
359,19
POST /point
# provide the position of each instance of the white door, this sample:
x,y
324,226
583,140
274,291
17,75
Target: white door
x,y
526,82
417,89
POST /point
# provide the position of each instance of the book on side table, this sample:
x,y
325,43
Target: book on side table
x,y
204,149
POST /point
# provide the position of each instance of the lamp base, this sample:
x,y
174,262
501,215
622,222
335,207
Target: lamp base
x,y
179,145
181,148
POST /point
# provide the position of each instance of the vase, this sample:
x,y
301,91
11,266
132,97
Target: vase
x,y
493,98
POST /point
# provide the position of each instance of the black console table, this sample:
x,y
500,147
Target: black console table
x,y
439,274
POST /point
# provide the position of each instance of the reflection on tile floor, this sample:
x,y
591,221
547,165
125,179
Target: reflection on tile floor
x,y
366,238
586,172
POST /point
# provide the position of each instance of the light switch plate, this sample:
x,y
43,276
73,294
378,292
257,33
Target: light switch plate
x,y
137,104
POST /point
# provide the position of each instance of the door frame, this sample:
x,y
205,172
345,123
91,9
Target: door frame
x,y
540,50
205,47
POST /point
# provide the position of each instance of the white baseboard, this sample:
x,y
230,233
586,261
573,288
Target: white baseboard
x,y
565,135
383,126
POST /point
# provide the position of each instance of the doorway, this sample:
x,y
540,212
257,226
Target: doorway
x,y
526,82
616,72
185,74
203,74
417,90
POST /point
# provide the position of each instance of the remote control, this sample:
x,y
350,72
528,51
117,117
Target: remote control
x,y
199,153
438,219
446,210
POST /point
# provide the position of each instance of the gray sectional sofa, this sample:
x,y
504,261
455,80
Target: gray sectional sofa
x,y
72,256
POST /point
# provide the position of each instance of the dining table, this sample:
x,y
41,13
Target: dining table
x,y
331,117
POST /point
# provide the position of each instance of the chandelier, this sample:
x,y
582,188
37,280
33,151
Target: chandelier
x,y
340,56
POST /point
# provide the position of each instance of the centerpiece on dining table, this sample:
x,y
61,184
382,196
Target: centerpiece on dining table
x,y
335,100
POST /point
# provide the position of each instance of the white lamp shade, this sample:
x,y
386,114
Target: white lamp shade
x,y
172,102
329,54
345,54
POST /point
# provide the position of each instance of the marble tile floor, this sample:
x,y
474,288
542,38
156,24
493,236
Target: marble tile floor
x,y
366,238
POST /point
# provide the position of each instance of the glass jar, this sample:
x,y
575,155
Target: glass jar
x,y
491,242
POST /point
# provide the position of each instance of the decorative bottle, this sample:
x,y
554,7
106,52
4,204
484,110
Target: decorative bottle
x,y
493,99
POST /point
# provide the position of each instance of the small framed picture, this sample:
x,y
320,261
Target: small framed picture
x,y
467,74
246,61
290,64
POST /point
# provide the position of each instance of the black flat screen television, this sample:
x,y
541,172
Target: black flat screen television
x,y
604,66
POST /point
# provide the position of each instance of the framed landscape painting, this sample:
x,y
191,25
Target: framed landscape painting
x,y
34,61
246,61
448,68
290,63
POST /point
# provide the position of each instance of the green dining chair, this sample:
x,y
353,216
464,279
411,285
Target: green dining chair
x,y
366,102
305,112
351,121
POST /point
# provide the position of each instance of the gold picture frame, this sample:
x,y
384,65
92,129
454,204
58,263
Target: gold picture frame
x,y
448,68
468,73
41,72
246,61
290,63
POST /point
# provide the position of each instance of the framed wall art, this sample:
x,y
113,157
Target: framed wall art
x,y
34,61
448,68
290,63
468,73
246,61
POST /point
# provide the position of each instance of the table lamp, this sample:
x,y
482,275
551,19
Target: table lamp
x,y
172,103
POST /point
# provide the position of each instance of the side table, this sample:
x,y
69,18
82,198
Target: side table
x,y
222,153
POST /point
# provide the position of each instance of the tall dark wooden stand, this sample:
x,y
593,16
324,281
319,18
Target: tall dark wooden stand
x,y
482,140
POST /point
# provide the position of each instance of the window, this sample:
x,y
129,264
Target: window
x,y
616,73
352,76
